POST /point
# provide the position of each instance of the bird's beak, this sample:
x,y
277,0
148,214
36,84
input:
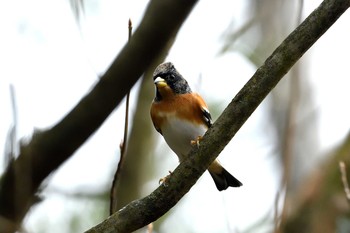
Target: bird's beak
x,y
159,82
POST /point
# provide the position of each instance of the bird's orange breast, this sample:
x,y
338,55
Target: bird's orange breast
x,y
185,107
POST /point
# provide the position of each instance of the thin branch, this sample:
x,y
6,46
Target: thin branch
x,y
50,148
123,146
344,179
126,125
141,212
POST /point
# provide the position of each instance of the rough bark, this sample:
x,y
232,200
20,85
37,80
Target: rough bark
x,y
48,149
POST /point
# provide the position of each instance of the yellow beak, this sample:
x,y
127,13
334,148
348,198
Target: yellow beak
x,y
159,82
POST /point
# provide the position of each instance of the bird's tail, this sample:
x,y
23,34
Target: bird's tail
x,y
222,178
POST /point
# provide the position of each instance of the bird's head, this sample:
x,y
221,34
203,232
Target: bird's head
x,y
169,81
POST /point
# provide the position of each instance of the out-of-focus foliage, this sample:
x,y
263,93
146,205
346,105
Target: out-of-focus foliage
x,y
317,205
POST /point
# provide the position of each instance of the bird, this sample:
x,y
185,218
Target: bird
x,y
182,118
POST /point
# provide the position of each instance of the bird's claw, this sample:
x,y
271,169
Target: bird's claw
x,y
164,179
197,141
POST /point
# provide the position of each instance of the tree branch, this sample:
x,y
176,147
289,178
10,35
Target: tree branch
x,y
123,146
141,212
49,149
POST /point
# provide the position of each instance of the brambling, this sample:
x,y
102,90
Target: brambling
x,y
182,117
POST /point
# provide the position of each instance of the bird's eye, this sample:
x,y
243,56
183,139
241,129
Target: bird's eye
x,y
171,77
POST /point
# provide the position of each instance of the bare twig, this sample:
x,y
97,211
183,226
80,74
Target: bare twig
x,y
342,168
123,146
126,125
49,148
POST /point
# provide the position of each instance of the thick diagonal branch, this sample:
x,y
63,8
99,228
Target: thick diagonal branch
x,y
49,149
141,212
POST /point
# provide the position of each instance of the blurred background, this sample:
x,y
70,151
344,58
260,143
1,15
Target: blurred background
x,y
286,155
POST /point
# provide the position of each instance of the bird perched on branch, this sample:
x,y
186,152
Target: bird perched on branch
x,y
182,117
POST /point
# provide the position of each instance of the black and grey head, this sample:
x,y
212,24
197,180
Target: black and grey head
x,y
168,75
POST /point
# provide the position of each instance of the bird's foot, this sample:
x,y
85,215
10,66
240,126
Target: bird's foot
x,y
197,141
164,179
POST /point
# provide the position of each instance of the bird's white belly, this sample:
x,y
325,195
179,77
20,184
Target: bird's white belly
x,y
178,134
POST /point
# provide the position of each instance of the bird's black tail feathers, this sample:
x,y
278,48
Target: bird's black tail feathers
x,y
224,179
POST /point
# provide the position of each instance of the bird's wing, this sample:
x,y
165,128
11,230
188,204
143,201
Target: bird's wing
x,y
207,117
205,111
